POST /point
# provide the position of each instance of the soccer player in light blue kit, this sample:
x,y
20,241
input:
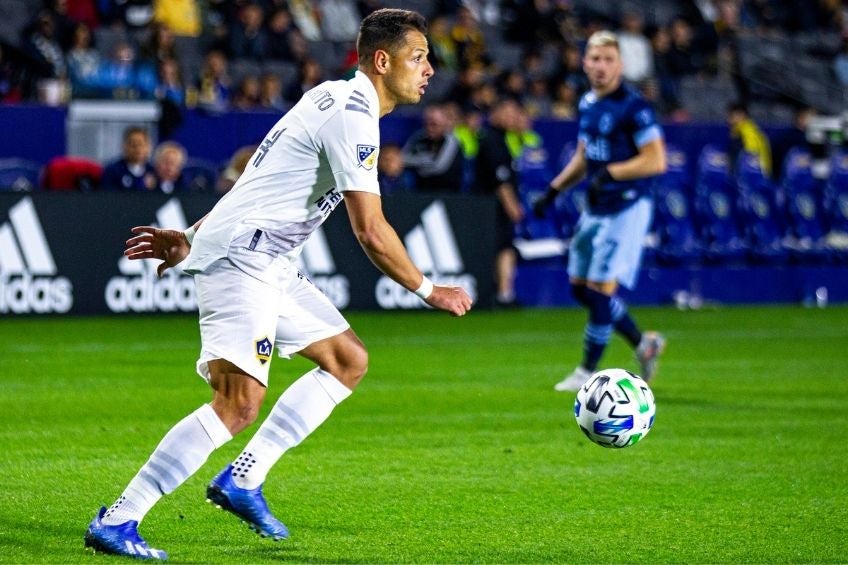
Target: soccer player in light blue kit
x,y
620,149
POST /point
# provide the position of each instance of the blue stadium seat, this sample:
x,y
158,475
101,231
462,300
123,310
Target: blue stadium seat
x,y
716,209
764,229
676,241
805,210
19,175
836,208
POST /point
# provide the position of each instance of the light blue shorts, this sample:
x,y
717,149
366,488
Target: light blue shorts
x,y
609,248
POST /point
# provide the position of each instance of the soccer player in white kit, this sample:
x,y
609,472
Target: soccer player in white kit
x,y
253,300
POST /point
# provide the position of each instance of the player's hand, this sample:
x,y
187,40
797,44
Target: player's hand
x,y
541,204
451,299
169,246
596,184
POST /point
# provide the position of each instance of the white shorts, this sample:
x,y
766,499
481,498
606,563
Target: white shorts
x,y
609,248
243,318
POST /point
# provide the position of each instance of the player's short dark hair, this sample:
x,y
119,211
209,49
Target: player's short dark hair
x,y
132,130
737,106
386,29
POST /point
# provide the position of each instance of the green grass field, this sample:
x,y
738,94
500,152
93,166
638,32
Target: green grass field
x,y
455,448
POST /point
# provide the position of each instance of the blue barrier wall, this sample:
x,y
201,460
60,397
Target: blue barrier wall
x,y
37,133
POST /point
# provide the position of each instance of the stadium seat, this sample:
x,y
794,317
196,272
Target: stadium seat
x,y
805,210
72,173
675,240
836,208
200,175
18,175
716,208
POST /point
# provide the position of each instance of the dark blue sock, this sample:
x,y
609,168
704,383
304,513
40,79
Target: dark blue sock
x,y
598,330
623,322
578,291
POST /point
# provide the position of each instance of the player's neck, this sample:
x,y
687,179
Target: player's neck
x,y
607,90
387,101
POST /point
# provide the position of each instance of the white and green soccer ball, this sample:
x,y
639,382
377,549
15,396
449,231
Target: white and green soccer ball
x,y
615,408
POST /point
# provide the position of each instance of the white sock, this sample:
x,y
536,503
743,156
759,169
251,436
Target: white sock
x,y
178,456
299,411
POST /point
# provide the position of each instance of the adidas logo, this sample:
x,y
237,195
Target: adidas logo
x,y
432,247
317,263
28,275
139,289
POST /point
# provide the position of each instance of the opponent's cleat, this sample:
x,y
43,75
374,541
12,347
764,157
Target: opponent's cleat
x,y
574,381
650,348
249,505
122,539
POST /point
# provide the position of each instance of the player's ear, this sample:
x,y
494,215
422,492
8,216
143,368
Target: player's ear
x,y
381,61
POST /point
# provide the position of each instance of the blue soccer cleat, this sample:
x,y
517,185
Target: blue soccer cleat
x,y
122,539
249,505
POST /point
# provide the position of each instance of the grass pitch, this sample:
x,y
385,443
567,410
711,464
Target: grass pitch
x,y
455,448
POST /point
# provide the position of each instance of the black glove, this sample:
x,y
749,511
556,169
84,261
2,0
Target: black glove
x,y
596,185
541,204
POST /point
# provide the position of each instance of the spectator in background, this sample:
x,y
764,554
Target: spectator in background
x,y
43,46
83,61
668,83
469,39
309,75
339,20
511,84
133,171
305,16
246,96
683,58
537,100
182,17
433,154
215,82
570,69
122,77
170,86
168,162
564,104
636,52
160,45
391,172
235,167
271,92
746,136
495,175
247,36
442,46
280,40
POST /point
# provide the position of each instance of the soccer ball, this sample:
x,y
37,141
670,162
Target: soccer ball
x,y
615,408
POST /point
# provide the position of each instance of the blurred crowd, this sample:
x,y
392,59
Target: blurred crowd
x,y
263,54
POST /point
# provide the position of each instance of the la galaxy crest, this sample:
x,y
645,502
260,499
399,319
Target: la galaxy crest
x,y
263,350
367,155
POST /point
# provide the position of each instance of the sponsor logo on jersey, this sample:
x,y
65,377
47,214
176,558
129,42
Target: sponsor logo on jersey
x,y
317,265
29,281
139,289
367,155
263,349
432,247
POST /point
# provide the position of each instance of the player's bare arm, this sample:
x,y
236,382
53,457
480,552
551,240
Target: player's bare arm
x,y
169,246
650,161
570,175
381,243
573,172
509,200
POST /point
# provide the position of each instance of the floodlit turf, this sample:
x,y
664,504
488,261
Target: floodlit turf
x,y
455,449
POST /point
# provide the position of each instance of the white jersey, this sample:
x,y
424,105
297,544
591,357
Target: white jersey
x,y
325,145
